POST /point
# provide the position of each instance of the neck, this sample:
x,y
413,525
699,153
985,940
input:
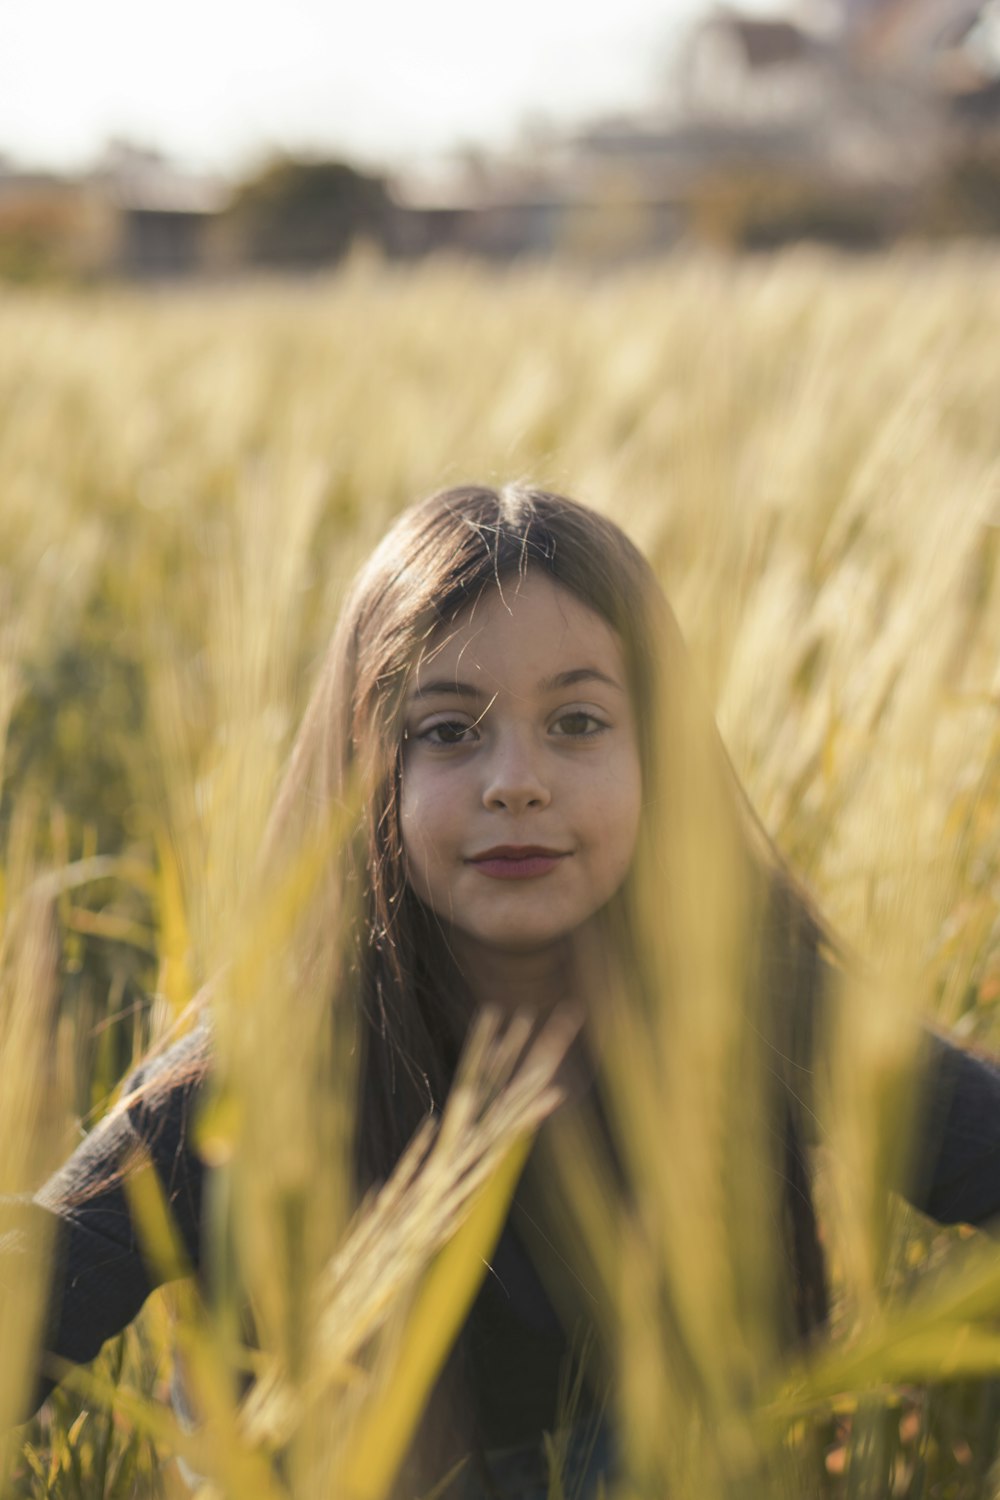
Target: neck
x,y
534,982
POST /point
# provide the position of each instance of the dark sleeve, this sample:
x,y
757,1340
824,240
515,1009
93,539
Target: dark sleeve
x,y
952,1167
100,1274
955,1166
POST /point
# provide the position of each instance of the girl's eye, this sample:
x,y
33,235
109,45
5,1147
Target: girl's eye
x,y
578,724
447,732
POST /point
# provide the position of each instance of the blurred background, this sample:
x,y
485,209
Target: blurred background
x,y
216,139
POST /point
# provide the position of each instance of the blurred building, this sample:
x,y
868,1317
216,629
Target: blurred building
x,y
158,220
948,49
908,35
134,215
563,199
848,121
840,121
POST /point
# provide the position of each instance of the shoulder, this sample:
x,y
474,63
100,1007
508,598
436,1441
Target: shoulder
x,y
161,1099
957,1158
152,1120
181,1068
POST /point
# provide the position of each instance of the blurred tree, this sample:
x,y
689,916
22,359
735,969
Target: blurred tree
x,y
297,215
964,195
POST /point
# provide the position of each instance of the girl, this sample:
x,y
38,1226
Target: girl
x,y
545,809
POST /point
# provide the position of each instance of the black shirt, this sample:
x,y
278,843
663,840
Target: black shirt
x,y
516,1344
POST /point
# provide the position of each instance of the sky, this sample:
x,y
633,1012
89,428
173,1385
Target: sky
x,y
219,83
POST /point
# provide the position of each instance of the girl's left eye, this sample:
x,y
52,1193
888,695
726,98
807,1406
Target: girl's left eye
x,y
577,724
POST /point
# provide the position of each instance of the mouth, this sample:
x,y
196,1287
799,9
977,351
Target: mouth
x,y
518,861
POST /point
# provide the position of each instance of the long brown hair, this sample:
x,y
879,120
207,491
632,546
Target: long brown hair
x,y
411,1007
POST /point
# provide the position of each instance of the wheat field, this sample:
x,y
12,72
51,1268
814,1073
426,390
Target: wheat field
x,y
808,450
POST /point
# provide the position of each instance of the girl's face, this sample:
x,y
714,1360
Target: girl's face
x,y
521,784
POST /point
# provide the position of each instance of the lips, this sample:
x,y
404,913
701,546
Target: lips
x,y
518,861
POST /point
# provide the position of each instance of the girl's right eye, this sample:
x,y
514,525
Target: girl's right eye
x,y
446,733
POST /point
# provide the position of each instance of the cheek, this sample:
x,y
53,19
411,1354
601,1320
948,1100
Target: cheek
x,y
425,819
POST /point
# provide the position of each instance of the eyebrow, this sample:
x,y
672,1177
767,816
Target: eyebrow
x,y
449,685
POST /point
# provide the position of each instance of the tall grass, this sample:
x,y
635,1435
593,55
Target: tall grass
x,y
809,452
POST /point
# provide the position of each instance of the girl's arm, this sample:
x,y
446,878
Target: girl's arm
x,y
84,1215
955,1175
952,1167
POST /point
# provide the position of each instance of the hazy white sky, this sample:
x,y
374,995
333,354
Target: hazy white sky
x,y
217,82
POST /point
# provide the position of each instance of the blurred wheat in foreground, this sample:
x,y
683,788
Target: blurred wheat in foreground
x,y
809,451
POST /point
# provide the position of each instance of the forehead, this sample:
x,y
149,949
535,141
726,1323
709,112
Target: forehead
x,y
521,631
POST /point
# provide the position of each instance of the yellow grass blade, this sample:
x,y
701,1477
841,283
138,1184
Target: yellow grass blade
x,y
442,1301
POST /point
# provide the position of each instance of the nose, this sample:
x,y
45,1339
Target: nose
x,y
515,781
